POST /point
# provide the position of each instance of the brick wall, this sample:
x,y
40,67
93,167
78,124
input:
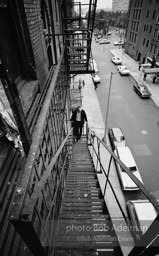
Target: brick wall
x,y
35,25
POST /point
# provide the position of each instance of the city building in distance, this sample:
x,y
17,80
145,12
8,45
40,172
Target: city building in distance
x,y
142,34
120,5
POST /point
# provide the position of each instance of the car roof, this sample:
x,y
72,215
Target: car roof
x,y
126,156
142,85
145,210
117,131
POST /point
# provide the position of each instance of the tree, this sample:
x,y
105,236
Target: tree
x,y
105,19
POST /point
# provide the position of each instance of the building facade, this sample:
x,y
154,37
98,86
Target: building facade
x,y
142,34
120,5
43,45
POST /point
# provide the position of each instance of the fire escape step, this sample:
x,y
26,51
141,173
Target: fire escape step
x,y
84,222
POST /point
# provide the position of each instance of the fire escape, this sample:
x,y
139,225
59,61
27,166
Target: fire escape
x,y
79,22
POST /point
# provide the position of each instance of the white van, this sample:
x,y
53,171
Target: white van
x,y
125,155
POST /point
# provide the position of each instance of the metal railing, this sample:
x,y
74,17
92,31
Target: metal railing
x,y
37,200
35,212
36,222
98,148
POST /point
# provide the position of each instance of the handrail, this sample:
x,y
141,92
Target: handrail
x,y
142,187
149,239
39,192
44,203
22,191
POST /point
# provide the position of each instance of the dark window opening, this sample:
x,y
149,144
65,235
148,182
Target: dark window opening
x,y
154,13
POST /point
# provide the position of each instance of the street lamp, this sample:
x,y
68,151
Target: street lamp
x,y
107,110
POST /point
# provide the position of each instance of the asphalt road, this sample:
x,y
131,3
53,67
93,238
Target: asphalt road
x,y
138,118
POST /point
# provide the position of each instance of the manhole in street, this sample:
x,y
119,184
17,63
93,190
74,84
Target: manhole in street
x,y
144,132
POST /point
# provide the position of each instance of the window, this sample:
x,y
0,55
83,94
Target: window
x,y
151,47
144,41
135,38
154,49
132,25
56,10
154,33
157,20
137,26
144,27
138,3
139,14
130,36
130,3
147,43
147,14
150,29
154,13
136,14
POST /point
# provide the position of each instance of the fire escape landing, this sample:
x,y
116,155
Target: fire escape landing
x,y
79,30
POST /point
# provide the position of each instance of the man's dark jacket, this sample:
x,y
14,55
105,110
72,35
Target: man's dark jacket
x,y
83,116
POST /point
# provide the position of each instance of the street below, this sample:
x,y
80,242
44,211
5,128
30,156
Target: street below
x,y
138,118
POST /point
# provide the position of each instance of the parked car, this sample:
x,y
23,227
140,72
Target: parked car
x,y
116,60
109,33
141,214
96,69
123,70
142,90
125,155
104,41
116,138
120,42
93,64
96,78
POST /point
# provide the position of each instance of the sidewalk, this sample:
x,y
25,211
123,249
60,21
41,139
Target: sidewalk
x,y
96,123
133,66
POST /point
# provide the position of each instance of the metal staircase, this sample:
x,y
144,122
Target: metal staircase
x,y
84,225
79,22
